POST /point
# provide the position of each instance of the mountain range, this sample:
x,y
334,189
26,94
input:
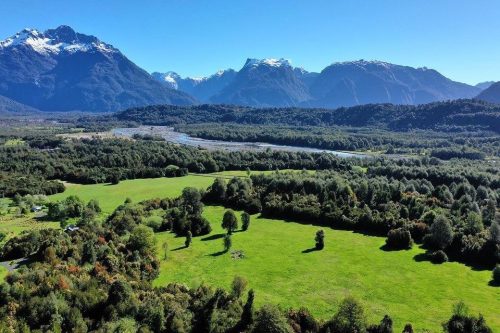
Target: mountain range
x,y
63,70
276,83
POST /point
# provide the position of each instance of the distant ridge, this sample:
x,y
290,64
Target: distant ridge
x,y
10,107
491,94
276,83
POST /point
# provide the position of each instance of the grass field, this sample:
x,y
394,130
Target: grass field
x,y
351,264
111,196
13,225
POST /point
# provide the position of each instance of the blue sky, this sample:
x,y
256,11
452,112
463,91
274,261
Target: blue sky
x,y
460,38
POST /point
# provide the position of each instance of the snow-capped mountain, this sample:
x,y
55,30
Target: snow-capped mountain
x,y
491,94
200,87
275,82
169,79
264,82
62,70
55,41
362,82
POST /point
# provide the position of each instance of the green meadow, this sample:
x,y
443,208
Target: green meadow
x,y
281,270
111,196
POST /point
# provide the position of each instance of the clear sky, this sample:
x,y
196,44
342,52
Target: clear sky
x,y
459,38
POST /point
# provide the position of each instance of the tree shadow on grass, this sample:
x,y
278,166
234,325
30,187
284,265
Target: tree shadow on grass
x,y
213,237
492,283
387,248
179,248
312,249
421,257
216,254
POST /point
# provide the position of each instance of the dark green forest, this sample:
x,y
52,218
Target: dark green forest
x,y
443,116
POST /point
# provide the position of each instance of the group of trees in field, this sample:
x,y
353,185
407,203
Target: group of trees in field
x,y
98,278
455,217
230,223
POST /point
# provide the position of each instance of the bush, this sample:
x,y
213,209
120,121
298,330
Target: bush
x,y
441,233
189,239
461,321
142,239
245,221
238,286
270,320
154,222
439,257
399,239
229,221
418,231
320,239
349,318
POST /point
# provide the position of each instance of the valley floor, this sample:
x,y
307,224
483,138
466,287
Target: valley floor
x,y
281,268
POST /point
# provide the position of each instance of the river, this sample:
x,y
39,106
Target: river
x,y
170,135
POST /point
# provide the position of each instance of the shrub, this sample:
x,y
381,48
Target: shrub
x,y
270,320
154,222
349,318
408,328
245,221
320,239
385,326
418,231
399,239
461,321
438,257
302,320
142,239
238,286
229,221
441,233
189,239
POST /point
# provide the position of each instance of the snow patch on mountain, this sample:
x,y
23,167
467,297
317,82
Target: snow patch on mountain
x,y
271,62
47,44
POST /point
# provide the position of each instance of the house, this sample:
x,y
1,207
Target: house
x,y
35,209
71,228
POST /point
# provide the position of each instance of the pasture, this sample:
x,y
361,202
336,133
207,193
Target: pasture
x,y
281,267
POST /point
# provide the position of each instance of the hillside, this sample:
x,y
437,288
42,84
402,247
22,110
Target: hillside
x,y
62,70
439,115
10,107
491,94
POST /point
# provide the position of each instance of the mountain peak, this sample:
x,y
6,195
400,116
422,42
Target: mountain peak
x,y
365,63
55,41
270,62
63,33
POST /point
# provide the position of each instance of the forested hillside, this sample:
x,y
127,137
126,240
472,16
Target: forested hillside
x,y
447,116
